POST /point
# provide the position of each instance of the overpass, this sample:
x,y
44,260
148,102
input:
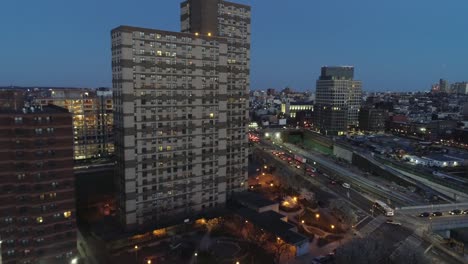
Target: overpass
x,y
432,208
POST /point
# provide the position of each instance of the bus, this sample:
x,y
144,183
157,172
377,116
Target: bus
x,y
386,210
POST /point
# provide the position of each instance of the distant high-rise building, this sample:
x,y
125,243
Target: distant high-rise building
x,y
37,201
93,120
460,87
338,99
372,119
444,86
181,102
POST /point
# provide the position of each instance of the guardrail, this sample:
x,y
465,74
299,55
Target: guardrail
x,y
435,207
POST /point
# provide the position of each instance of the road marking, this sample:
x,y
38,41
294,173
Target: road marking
x,y
429,248
362,220
372,226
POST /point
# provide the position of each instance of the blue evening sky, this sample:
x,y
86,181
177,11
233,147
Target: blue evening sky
x,y
394,45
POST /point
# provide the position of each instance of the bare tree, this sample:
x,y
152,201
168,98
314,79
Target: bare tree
x,y
279,248
367,251
410,255
344,211
362,251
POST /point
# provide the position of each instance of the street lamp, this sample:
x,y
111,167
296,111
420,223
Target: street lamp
x,y
302,221
317,216
149,261
332,227
73,261
136,253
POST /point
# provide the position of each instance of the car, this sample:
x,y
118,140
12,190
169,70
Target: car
x,y
425,214
311,174
437,214
333,182
391,222
465,211
455,212
346,185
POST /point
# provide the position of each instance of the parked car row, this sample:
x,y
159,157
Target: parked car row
x,y
453,212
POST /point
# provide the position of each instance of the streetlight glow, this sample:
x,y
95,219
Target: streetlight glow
x,y
74,261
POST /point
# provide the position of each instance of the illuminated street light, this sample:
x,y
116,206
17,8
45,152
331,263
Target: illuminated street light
x,y
74,261
317,216
265,167
196,254
149,261
237,262
136,247
332,226
302,221
278,135
271,184
267,134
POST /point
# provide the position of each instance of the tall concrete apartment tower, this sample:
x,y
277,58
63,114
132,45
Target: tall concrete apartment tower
x,y
232,22
338,100
180,118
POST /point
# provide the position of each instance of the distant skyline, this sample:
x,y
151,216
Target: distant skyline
x,y
395,45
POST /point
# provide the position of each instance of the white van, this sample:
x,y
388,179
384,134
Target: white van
x,y
346,185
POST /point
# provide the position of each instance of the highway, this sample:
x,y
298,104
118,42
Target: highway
x,y
322,183
357,182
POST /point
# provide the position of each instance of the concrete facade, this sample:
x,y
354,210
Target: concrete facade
x,y
181,114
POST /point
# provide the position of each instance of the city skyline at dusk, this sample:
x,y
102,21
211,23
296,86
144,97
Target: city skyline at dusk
x,y
397,46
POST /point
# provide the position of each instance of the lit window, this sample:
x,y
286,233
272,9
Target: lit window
x,y
67,214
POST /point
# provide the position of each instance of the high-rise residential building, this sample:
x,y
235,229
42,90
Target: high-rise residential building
x,y
37,201
93,120
338,100
444,86
180,101
230,21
